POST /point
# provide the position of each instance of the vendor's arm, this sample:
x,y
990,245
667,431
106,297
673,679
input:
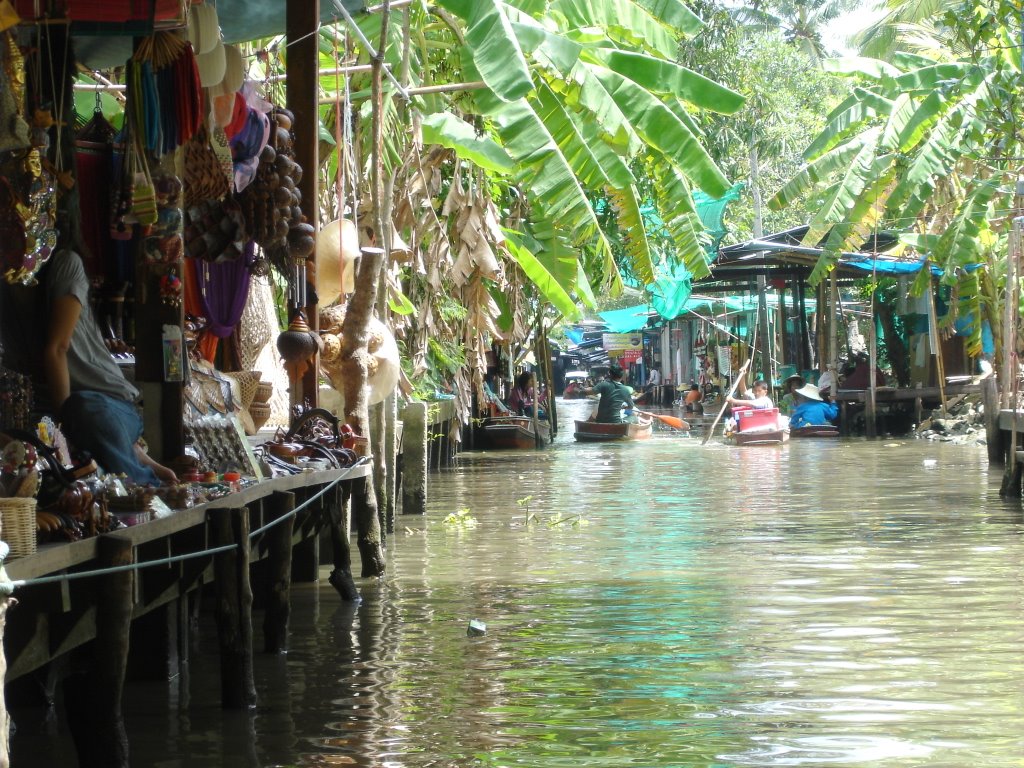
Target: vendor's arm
x,y
64,314
165,474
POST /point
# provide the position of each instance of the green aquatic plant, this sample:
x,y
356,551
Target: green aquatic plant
x,y
460,518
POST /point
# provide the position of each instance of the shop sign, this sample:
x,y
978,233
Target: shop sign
x,y
630,356
615,342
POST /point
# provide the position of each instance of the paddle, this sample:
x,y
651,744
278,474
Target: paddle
x,y
671,421
725,402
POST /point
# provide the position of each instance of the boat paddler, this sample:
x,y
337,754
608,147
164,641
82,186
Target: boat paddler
x,y
614,397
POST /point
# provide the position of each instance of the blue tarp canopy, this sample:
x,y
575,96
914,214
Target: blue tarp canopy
x,y
628,319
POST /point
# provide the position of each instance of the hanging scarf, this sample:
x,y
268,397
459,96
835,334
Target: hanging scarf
x,y
223,289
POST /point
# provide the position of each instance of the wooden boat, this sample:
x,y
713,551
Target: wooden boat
x,y
814,430
516,432
760,427
596,431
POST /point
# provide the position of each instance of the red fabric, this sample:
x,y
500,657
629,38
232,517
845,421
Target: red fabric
x,y
112,11
93,166
207,342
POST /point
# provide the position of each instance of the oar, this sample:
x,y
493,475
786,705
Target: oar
x,y
725,403
672,421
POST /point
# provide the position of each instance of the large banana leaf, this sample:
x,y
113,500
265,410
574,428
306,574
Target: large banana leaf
x,y
667,77
590,94
495,50
574,148
623,20
846,193
873,69
663,131
675,204
631,222
454,133
534,269
936,153
817,172
549,50
865,109
959,245
674,13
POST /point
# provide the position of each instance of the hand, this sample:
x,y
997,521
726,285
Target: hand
x,y
165,474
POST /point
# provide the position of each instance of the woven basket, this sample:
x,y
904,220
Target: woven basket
x,y
260,413
18,525
264,391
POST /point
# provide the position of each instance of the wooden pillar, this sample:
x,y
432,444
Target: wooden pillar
x,y
279,572
993,435
381,467
234,607
414,459
339,519
302,20
390,451
93,698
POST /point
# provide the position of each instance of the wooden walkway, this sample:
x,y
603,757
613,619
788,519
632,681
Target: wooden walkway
x,y
144,611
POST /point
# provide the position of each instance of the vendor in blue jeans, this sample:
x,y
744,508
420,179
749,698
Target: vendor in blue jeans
x,y
95,403
810,409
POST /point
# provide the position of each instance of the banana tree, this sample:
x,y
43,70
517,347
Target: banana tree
x,y
925,146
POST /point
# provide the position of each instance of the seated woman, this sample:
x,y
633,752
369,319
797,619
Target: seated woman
x,y
520,400
811,410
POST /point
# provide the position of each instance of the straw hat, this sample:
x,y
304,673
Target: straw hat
x,y
796,377
336,254
212,65
234,71
809,391
203,27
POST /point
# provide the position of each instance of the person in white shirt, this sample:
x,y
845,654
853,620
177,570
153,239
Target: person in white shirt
x,y
653,380
756,397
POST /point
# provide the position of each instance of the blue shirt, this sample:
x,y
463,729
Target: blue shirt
x,y
813,412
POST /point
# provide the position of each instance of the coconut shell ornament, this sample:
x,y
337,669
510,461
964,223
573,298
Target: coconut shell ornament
x,y
297,346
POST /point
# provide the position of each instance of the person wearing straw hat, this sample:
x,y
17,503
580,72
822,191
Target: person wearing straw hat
x,y
811,410
790,385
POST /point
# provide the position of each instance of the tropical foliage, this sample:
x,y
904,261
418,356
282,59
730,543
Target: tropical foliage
x,y
928,145
553,104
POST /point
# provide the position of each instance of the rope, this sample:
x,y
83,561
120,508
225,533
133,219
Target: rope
x,y
173,558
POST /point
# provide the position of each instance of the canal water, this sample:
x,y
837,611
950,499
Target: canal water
x,y
655,604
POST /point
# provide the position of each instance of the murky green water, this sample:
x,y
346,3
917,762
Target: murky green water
x,y
849,603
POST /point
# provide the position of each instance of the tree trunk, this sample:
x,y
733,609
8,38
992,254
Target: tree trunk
x,y
895,349
354,354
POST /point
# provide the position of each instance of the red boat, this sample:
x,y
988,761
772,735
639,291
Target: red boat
x,y
598,431
764,426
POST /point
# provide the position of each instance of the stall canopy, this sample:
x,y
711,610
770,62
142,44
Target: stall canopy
x,y
101,47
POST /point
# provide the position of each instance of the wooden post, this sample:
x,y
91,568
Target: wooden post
x,y
279,572
871,405
302,20
339,519
389,448
1011,485
94,697
414,459
234,607
380,467
993,435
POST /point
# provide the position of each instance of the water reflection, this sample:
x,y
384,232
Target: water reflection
x,y
653,604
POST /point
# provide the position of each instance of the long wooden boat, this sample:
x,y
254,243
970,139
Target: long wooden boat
x,y
814,430
516,432
761,437
596,431
761,427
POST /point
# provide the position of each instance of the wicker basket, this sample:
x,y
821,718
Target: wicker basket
x,y
18,525
264,391
260,413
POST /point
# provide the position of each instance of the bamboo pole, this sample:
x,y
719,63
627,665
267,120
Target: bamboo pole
x,y
871,411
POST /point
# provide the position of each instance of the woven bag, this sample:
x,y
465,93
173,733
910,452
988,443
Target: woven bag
x,y
18,525
204,177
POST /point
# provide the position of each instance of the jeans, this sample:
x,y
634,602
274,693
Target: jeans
x,y
107,428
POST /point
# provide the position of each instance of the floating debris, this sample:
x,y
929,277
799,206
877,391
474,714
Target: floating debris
x,y
476,628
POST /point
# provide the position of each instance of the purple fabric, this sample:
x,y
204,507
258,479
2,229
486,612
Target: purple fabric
x,y
223,289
